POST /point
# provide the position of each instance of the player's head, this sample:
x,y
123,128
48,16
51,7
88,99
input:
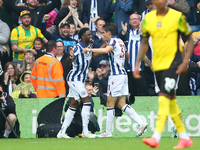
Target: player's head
x,y
160,4
134,20
109,30
85,35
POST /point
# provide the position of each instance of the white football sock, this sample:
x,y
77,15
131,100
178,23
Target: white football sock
x,y
85,113
132,113
110,119
157,135
184,135
6,133
69,115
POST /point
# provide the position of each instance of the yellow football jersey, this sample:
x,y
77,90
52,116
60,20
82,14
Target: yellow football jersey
x,y
24,39
165,31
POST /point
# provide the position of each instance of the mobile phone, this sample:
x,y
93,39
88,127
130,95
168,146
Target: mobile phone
x,y
96,84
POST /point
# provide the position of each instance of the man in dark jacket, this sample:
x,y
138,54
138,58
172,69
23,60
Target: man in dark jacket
x,y
7,105
37,12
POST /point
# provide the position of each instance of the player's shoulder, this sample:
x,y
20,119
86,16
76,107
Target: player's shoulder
x,y
150,15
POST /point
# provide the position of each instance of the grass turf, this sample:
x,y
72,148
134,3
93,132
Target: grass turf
x,y
89,144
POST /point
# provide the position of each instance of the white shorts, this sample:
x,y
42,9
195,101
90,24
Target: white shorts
x,y
118,85
76,90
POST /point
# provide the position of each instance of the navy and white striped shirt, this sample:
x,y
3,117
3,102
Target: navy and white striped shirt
x,y
133,48
117,56
144,13
80,64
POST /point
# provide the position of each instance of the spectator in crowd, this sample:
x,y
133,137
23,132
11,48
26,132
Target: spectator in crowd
x,y
10,78
101,79
6,13
69,7
39,47
150,6
61,35
191,17
137,87
73,32
50,22
197,8
7,105
4,36
25,88
47,74
139,6
28,62
196,52
62,57
98,42
22,37
37,12
92,10
122,9
41,2
180,5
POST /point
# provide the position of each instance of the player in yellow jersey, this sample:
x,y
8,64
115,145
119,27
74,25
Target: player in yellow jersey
x,y
164,25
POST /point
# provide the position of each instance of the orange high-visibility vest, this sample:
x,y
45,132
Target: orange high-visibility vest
x,y
47,77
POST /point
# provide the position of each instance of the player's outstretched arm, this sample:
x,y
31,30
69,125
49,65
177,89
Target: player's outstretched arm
x,y
105,50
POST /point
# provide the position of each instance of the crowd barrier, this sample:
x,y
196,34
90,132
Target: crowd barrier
x,y
146,107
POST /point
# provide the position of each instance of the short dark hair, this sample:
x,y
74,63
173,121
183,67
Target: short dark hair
x,y
61,42
50,45
112,27
98,20
82,32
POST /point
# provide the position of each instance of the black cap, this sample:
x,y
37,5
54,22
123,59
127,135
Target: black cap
x,y
148,1
104,62
64,24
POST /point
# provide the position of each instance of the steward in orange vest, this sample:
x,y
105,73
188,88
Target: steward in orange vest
x,y
47,74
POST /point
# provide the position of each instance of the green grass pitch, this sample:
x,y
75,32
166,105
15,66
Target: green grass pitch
x,y
89,144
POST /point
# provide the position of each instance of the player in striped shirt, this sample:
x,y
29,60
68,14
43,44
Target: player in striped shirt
x,y
76,81
118,80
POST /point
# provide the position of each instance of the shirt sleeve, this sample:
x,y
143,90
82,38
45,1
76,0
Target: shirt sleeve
x,y
111,42
145,32
14,36
184,27
40,34
76,51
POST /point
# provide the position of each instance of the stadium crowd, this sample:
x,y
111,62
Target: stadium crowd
x,y
27,27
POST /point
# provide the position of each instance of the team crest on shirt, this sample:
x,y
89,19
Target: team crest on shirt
x,y
83,92
88,56
159,24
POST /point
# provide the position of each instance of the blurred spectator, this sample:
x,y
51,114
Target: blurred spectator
x,y
39,47
101,79
150,6
6,13
4,36
41,2
191,17
50,21
137,87
184,81
139,6
197,8
22,37
92,10
4,58
122,9
37,12
10,78
69,6
61,35
196,53
180,5
25,88
62,57
7,105
28,62
98,42
73,33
